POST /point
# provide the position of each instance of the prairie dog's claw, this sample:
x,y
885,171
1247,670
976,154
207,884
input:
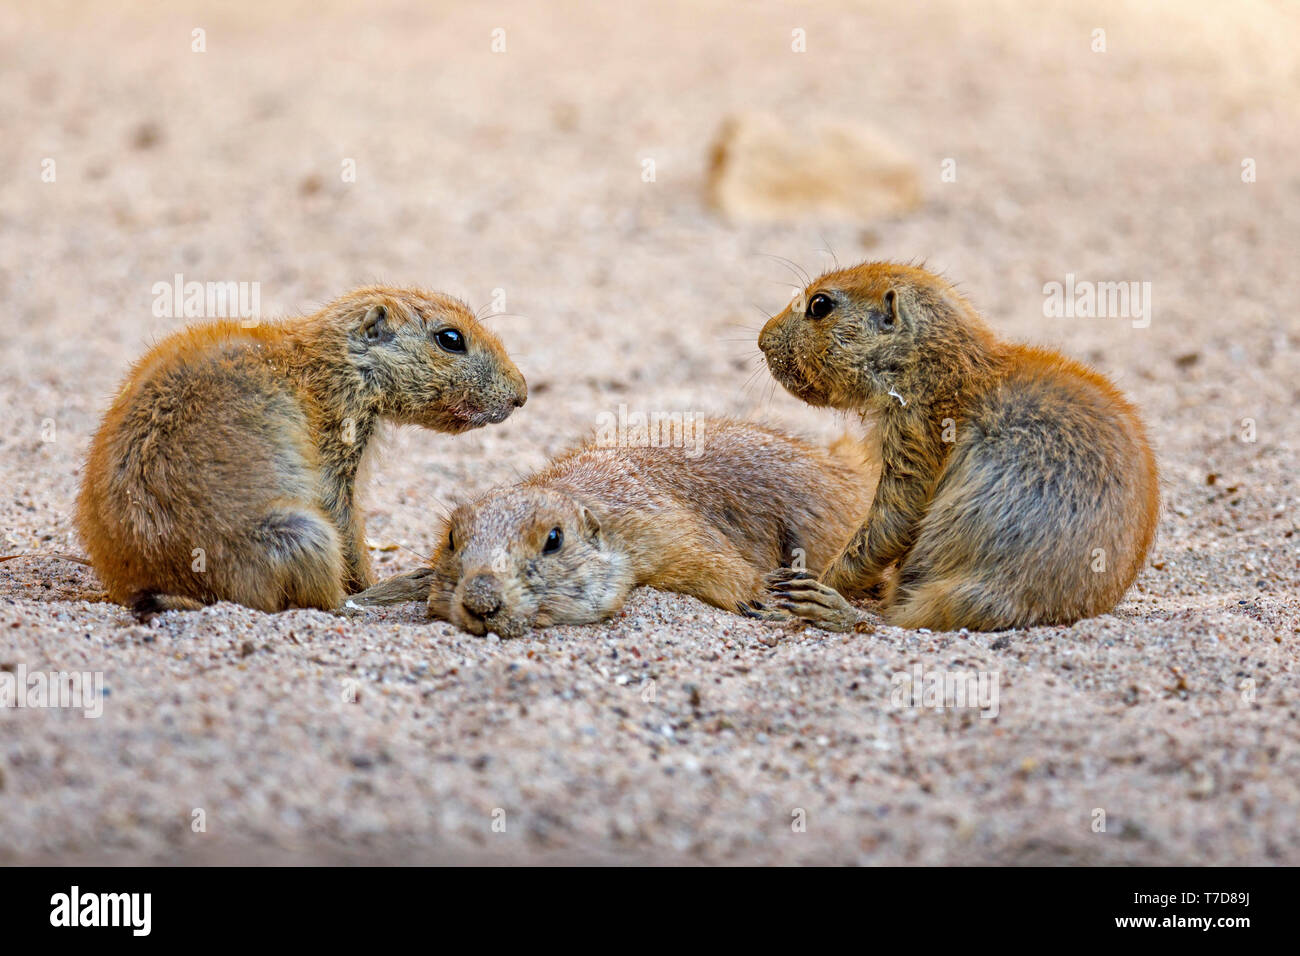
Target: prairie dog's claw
x,y
761,612
781,575
808,599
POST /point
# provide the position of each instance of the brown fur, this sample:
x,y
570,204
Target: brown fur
x,y
226,467
710,526
1006,469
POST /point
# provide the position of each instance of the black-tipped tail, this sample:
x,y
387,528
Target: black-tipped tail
x,y
145,604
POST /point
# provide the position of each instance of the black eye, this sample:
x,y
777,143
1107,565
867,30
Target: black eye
x,y
820,306
449,340
553,541
451,541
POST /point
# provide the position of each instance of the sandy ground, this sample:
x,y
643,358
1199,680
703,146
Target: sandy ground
x,y
676,732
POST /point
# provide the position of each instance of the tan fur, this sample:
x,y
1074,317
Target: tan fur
x,y
226,467
1017,485
710,526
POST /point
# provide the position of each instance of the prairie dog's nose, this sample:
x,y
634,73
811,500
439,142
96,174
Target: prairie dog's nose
x,y
768,338
521,387
482,595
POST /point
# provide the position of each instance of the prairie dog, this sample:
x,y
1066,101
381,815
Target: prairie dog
x,y
226,467
1017,486
566,545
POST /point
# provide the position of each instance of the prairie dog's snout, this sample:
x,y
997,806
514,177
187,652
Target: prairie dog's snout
x,y
480,598
482,595
769,337
514,388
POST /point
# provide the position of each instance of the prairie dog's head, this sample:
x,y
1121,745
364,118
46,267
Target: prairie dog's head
x,y
427,359
525,557
855,336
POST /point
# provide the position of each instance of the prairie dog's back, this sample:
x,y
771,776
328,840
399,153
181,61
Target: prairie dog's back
x,y
190,460
771,495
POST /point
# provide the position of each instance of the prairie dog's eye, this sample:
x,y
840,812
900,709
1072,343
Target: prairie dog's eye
x,y
449,340
451,540
820,306
554,541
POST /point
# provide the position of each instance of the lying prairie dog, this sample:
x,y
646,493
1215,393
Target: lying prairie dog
x,y
567,545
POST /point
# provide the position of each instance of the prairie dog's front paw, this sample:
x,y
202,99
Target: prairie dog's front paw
x,y
802,595
763,612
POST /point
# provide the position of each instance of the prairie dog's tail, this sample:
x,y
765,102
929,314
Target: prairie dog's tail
x,y
145,604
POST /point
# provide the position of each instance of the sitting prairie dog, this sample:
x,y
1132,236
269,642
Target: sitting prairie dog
x,y
226,467
566,545
1017,486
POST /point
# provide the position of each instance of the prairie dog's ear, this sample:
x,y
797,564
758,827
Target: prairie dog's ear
x,y
374,324
590,523
896,314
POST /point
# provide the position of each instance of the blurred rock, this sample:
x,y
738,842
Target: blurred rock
x,y
146,136
764,170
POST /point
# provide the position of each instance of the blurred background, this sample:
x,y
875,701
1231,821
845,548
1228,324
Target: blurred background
x,y
624,181
554,161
